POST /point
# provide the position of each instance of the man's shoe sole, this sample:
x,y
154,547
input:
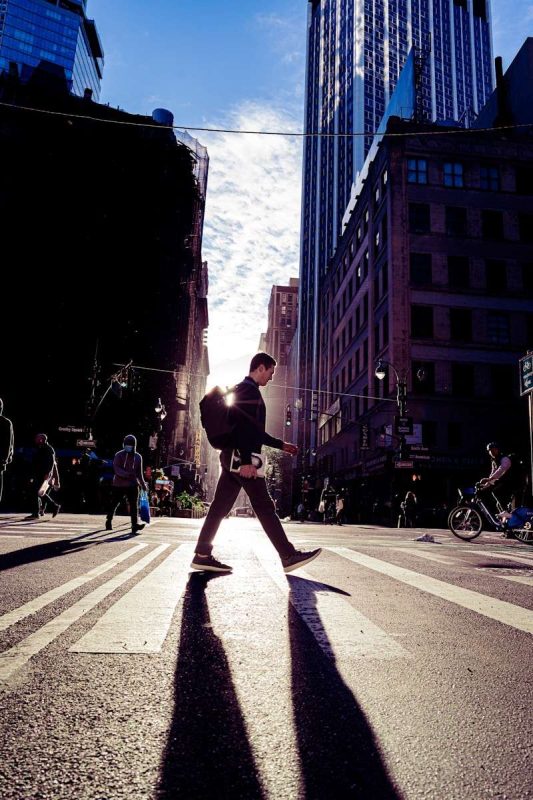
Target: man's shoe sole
x,y
207,568
305,561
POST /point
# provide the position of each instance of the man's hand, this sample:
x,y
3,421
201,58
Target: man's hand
x,y
248,471
292,449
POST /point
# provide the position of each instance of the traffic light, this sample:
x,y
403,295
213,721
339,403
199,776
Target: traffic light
x,y
288,416
314,405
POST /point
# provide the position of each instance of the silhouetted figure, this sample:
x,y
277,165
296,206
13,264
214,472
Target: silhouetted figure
x,y
6,444
44,475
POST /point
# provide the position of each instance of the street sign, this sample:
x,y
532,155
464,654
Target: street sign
x,y
420,456
85,443
71,429
526,374
403,425
404,464
364,441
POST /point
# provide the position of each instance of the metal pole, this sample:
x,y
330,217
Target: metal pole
x,y
531,440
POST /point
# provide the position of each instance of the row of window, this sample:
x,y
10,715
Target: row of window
x,y
456,223
453,175
459,277
497,331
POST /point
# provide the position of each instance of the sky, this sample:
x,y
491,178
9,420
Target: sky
x,y
237,64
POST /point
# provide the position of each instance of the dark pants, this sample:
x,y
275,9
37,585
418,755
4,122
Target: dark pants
x,y
40,503
228,487
117,495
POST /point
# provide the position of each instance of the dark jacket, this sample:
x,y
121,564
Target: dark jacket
x,y
248,413
128,468
43,462
6,442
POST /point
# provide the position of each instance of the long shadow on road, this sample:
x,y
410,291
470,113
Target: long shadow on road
x,y
207,754
42,552
339,755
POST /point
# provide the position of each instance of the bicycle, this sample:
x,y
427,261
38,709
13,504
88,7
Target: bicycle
x,y
466,520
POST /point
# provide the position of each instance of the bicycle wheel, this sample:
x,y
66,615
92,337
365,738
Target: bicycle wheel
x,y
524,534
465,522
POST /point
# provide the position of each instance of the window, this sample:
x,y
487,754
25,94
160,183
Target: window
x,y
456,221
429,432
419,218
458,272
453,174
492,224
489,179
525,226
524,180
527,278
460,3
420,268
455,434
421,322
498,329
496,276
417,170
502,380
460,325
425,384
480,9
463,380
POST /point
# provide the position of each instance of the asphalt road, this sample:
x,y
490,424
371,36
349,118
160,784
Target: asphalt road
x,y
387,668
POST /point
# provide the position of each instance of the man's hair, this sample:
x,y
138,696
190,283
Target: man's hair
x,y
262,358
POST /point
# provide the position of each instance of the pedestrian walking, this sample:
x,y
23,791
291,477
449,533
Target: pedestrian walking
x,y
242,469
6,444
128,476
44,477
409,506
339,507
328,501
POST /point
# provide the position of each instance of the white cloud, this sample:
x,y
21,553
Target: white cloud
x,y
251,235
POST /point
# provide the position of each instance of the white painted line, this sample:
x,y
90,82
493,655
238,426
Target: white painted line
x,y
139,621
504,557
514,616
16,657
339,628
12,617
429,556
527,580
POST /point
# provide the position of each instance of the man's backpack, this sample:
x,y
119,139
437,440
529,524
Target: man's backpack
x,y
215,418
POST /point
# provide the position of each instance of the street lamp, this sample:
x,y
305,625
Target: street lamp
x,y
401,383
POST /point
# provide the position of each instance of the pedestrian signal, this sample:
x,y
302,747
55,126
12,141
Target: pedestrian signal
x,y
288,416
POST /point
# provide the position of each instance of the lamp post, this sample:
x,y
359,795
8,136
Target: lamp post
x,y
401,396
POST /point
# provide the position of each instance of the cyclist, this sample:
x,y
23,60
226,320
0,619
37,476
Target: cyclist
x,y
504,478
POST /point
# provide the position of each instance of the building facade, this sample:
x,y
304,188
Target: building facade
x,y
53,35
115,213
356,50
433,275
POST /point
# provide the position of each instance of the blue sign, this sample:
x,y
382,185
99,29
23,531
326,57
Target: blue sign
x,y
526,374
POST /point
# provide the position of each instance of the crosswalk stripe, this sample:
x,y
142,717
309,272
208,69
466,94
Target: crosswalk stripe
x,y
429,556
338,627
139,621
499,610
16,657
527,580
504,557
12,617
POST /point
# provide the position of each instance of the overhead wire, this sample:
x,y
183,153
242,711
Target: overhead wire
x,y
297,134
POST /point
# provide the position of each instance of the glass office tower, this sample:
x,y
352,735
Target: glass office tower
x,y
44,32
356,50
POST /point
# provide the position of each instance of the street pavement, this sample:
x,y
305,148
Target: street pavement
x,y
387,668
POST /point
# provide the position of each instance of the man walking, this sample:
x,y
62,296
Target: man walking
x,y
44,474
6,444
128,469
248,413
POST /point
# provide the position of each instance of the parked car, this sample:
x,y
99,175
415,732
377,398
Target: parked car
x,y
243,511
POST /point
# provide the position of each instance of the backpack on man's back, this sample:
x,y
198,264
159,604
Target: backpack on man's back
x,y
215,418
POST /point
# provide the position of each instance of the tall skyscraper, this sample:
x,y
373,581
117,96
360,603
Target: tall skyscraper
x,y
52,34
356,50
